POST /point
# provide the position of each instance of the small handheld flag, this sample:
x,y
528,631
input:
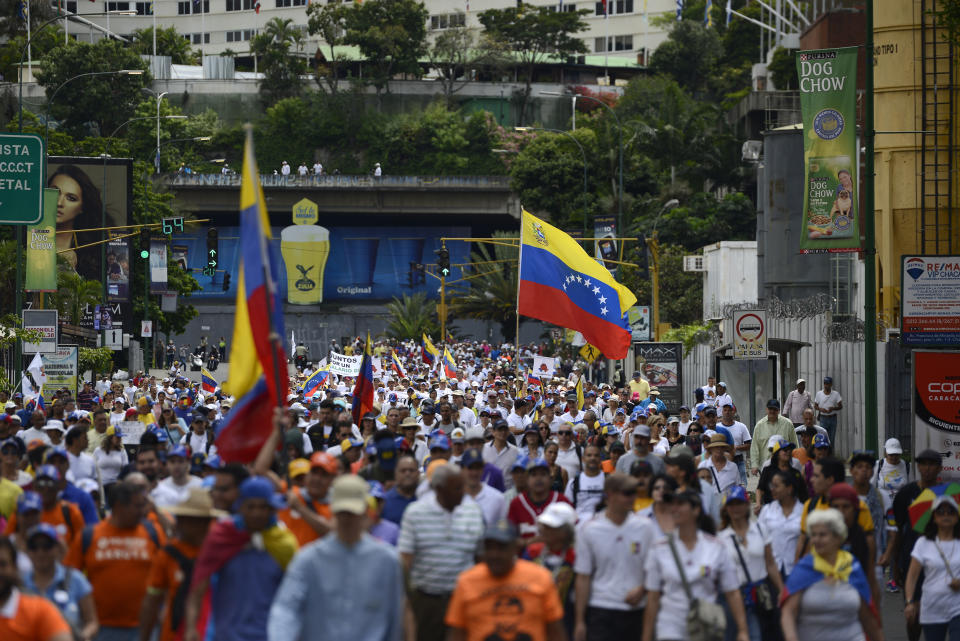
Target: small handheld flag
x,y
449,365
430,351
363,390
316,382
207,383
397,365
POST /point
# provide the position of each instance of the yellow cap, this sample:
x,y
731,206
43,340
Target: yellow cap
x,y
298,466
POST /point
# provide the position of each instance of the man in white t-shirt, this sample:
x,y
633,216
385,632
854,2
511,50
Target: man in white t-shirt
x,y
569,454
710,390
685,419
585,490
723,398
611,550
828,402
890,472
175,488
571,414
317,168
741,439
490,500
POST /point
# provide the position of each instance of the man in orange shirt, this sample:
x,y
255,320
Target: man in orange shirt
x,y
116,555
308,513
25,617
504,597
172,567
62,515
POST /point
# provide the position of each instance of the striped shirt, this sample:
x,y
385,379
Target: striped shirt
x,y
443,544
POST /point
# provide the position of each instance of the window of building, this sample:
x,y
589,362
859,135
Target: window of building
x,y
290,3
570,8
598,10
118,6
233,36
144,8
623,43
239,5
448,21
599,45
71,6
186,7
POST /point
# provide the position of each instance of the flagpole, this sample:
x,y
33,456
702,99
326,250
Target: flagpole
x,y
519,264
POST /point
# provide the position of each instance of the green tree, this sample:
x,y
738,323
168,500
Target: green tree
x,y
492,294
700,219
11,22
75,294
279,49
456,54
41,43
411,317
96,360
328,21
690,55
392,35
12,333
681,293
169,43
783,69
104,100
535,34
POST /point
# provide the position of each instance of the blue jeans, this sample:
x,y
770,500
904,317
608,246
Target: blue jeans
x,y
829,423
949,631
742,466
753,623
108,633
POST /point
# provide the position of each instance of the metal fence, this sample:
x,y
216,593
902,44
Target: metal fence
x,y
333,181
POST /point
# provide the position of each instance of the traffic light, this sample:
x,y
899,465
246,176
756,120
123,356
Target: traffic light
x,y
144,243
226,281
443,261
213,252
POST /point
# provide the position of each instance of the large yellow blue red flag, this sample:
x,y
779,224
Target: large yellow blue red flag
x,y
258,368
430,351
561,284
449,365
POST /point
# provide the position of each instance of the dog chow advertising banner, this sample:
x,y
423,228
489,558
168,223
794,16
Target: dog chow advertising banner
x,y
828,101
936,407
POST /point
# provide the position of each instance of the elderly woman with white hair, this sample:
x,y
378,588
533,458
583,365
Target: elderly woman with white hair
x,y
827,596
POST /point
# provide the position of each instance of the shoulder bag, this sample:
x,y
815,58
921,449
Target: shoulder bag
x,y
706,620
758,594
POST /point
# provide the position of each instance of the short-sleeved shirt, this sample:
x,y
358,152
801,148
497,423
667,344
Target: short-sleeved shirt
x,y
394,505
524,601
523,512
864,520
117,563
65,591
614,557
938,603
9,492
165,578
296,524
708,569
30,618
55,517
754,551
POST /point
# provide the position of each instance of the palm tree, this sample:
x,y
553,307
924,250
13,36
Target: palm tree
x,y
412,316
492,293
74,294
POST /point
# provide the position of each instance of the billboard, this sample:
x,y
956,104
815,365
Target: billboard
x,y
661,365
90,188
329,263
936,407
930,300
61,368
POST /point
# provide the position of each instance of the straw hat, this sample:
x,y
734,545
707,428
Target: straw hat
x,y
718,440
198,504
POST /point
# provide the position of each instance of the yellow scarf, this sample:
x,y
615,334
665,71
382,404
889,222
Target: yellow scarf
x,y
839,571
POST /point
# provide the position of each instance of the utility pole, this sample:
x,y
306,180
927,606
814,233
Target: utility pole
x,y
869,250
653,244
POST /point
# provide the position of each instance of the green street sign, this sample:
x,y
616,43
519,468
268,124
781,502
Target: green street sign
x,y
22,165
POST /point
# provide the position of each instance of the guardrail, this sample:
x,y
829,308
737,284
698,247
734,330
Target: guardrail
x,y
339,181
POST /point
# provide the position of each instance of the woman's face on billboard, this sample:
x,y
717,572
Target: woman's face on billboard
x,y
70,201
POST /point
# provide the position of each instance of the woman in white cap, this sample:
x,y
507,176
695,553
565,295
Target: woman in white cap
x,y
937,555
556,553
890,472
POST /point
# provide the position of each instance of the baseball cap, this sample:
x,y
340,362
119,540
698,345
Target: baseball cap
x,y
387,453
325,462
179,450
440,441
29,501
534,463
821,441
376,489
800,380
844,491
678,451
298,467
502,531
43,529
735,493
828,379
636,374
349,494
930,455
642,430
457,435
48,471
892,446
56,451
521,463
773,404
54,424
474,434
945,499
558,515
471,457
258,487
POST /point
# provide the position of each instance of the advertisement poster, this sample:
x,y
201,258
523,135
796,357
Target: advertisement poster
x,y
61,369
661,365
828,102
158,266
41,271
605,247
331,263
102,320
118,269
930,300
936,407
639,318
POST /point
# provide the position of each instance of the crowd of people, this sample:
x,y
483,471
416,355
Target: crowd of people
x,y
481,506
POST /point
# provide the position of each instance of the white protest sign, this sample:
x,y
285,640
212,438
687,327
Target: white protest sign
x,y
343,365
131,432
544,366
377,367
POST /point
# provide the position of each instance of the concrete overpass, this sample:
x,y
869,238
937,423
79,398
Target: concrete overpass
x,y
481,201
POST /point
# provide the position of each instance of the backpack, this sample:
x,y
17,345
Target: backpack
x,y
178,606
62,586
87,535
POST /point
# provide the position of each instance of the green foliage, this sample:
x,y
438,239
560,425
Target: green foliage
x,y
278,48
681,293
533,34
169,43
12,24
783,69
457,54
492,294
328,21
701,219
104,100
391,34
74,294
690,335
12,333
95,359
411,317
948,17
41,43
690,56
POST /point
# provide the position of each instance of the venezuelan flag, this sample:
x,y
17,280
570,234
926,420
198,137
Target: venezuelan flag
x,y
813,568
363,390
396,364
258,368
207,382
430,351
533,380
561,284
449,365
316,382
579,389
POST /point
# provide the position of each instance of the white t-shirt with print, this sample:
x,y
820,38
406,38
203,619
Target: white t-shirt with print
x,y
938,603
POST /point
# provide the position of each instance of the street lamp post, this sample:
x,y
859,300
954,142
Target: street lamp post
x,y
582,153
653,244
159,97
619,146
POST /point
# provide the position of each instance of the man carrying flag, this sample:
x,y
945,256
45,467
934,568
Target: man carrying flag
x,y
207,383
258,378
430,351
561,284
363,391
316,382
397,365
449,365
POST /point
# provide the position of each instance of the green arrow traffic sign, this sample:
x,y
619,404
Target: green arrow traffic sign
x,y
22,169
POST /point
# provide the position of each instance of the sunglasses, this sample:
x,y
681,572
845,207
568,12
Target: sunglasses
x,y
45,482
565,433
42,544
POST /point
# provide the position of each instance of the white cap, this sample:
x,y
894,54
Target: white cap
x,y
800,380
945,499
892,446
473,433
54,424
558,515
